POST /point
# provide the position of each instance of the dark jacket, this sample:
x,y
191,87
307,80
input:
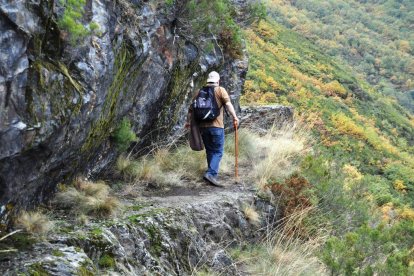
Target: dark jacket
x,y
196,142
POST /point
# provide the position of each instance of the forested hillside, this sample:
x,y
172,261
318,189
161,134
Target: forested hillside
x,y
362,164
375,38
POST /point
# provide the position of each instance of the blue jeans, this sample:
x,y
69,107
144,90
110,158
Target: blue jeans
x,y
213,139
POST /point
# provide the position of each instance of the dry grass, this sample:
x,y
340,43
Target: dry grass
x,y
88,198
35,223
247,144
130,190
123,163
278,153
149,170
293,254
272,156
284,253
172,164
82,219
164,166
251,215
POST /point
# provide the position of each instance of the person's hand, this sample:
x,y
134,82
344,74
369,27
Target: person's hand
x,y
236,120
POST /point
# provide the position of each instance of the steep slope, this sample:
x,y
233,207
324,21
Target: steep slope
x,y
363,162
374,37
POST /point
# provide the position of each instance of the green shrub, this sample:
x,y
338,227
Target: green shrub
x,y
216,17
363,251
124,135
256,10
71,19
398,171
94,27
106,261
169,2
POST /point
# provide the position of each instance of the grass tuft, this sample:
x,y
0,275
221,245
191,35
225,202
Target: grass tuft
x,y
251,215
88,198
34,223
123,163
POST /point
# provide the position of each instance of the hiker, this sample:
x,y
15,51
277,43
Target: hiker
x,y
212,131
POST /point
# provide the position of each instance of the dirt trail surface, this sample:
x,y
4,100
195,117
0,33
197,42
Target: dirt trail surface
x,y
187,197
197,192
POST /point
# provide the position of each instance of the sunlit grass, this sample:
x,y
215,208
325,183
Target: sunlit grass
x,y
87,198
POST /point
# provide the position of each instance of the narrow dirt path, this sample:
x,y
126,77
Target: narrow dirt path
x,y
192,192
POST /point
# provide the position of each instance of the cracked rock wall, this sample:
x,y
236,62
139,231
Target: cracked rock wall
x,y
60,101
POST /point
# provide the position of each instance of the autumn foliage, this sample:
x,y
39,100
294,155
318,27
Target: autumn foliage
x,y
294,194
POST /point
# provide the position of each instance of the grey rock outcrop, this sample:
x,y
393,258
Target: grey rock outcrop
x,y
60,101
178,235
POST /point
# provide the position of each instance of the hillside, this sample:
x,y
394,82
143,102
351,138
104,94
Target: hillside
x,y
374,37
361,168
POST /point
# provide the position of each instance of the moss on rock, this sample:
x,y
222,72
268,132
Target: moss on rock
x,y
101,129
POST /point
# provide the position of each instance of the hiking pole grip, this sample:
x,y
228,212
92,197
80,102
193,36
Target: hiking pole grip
x,y
236,150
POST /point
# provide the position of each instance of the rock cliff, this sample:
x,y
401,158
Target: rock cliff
x,y
60,101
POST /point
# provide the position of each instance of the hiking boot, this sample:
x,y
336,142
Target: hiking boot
x,y
212,180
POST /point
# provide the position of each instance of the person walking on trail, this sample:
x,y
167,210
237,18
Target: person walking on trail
x,y
212,131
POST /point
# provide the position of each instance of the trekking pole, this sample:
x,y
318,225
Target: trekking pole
x,y
236,150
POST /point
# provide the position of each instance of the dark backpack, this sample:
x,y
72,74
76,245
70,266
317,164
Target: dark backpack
x,y
205,107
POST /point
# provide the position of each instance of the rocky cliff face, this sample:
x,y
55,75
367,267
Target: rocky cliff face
x,y
60,101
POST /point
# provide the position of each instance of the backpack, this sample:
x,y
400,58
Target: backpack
x,y
205,107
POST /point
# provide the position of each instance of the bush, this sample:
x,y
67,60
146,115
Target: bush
x,y
256,11
295,194
364,251
70,21
268,97
346,125
334,88
106,261
124,135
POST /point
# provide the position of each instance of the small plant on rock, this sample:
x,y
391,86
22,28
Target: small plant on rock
x,y
70,20
124,135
